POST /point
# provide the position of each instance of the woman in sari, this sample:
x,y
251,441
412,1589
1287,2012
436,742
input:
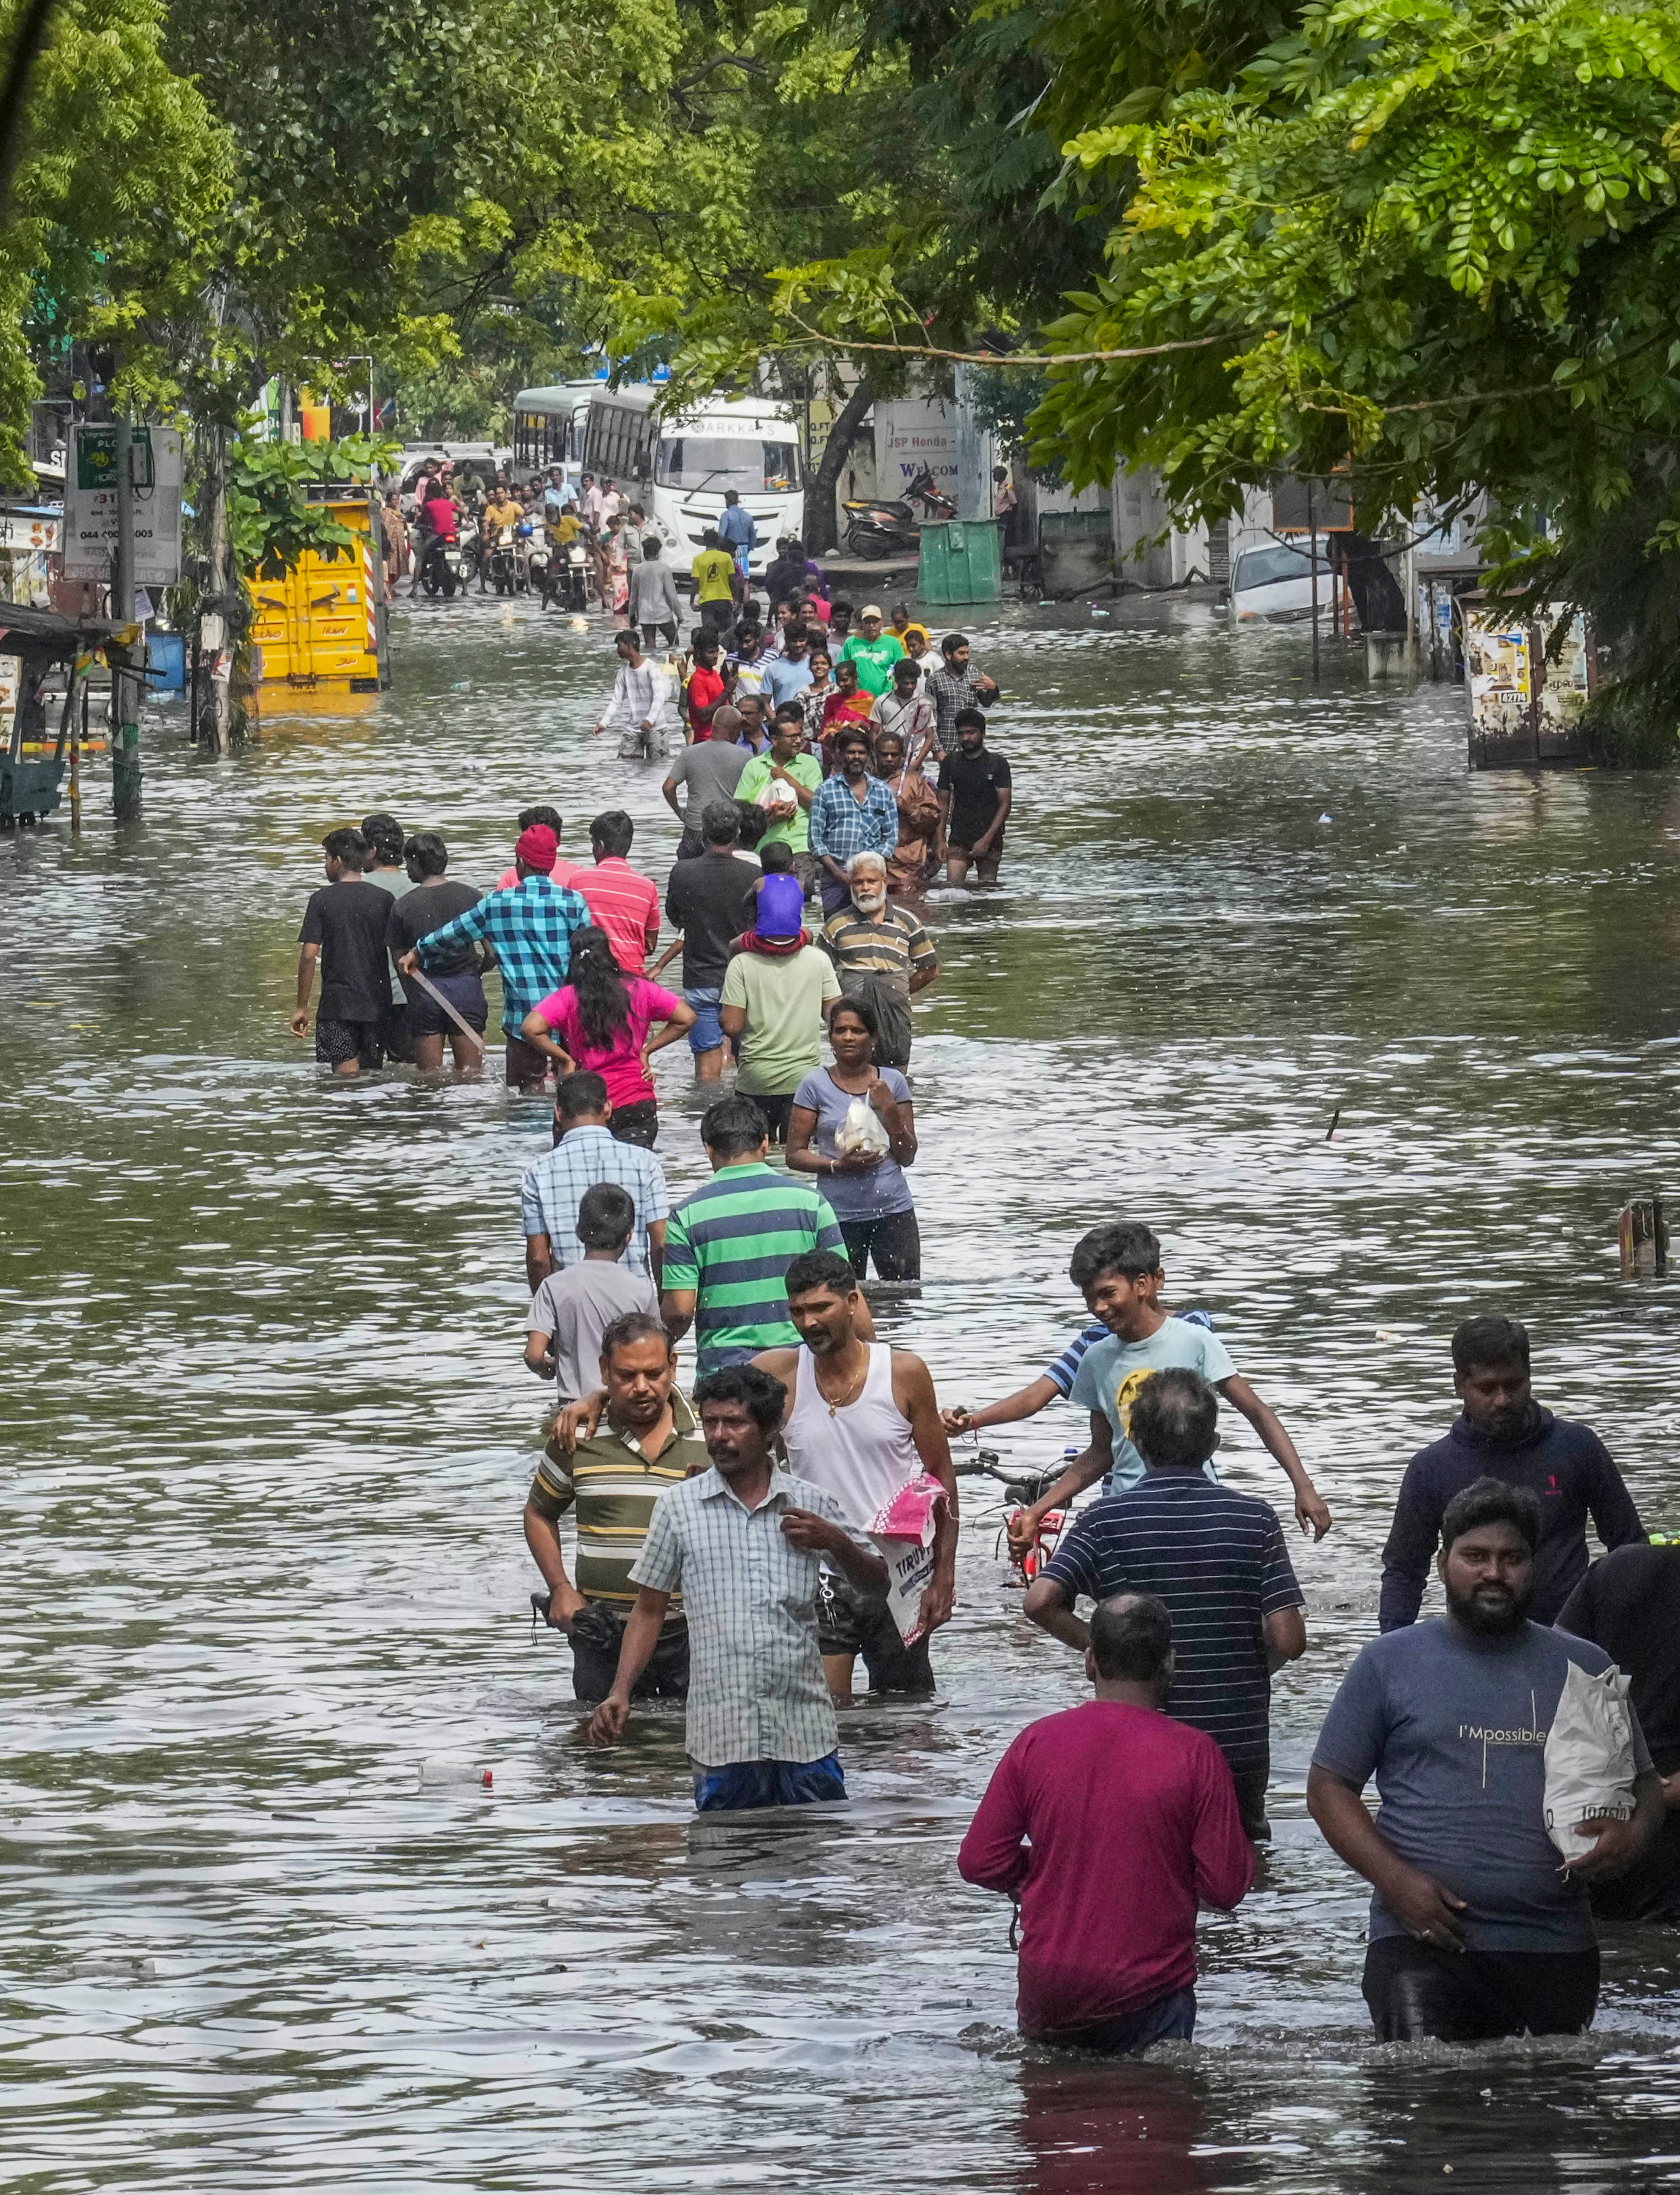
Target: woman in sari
x,y
918,817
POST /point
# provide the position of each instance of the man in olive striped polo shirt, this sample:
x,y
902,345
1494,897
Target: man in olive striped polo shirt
x,y
729,1245
647,1443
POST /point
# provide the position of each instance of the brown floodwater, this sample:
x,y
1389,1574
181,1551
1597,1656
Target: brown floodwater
x,y
267,1437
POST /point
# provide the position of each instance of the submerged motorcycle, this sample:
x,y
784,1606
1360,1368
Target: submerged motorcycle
x,y
880,527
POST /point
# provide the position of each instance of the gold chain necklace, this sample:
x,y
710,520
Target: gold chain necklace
x,y
855,1388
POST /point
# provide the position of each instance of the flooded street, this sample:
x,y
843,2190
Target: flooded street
x,y
264,1605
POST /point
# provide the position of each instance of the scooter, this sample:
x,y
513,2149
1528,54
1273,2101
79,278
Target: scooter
x,y
566,584
441,568
891,528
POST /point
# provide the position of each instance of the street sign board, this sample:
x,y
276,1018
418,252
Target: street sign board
x,y
90,505
29,529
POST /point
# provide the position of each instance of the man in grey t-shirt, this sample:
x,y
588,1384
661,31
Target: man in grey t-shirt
x,y
1475,1929
712,769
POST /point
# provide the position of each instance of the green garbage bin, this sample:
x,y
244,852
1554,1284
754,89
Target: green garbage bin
x,y
962,562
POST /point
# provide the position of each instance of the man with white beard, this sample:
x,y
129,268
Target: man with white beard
x,y
883,953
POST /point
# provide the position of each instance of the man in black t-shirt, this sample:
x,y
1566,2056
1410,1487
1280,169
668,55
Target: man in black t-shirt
x,y
433,902
710,899
344,930
974,804
1629,1603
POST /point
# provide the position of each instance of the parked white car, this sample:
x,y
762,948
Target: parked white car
x,y
1275,579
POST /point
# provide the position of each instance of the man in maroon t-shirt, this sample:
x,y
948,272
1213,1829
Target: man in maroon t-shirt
x,y
1109,1825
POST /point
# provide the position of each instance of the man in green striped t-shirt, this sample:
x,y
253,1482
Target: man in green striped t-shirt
x,y
729,1245
647,1443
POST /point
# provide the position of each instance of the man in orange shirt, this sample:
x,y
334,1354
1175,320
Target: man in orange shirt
x,y
620,900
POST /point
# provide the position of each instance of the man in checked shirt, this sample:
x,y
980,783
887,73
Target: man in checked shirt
x,y
743,1544
530,928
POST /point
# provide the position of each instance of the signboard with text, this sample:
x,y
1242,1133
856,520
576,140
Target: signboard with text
x,y
90,505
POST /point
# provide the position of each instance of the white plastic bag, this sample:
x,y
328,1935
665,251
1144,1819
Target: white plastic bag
x,y
903,1533
863,1130
775,797
1589,1757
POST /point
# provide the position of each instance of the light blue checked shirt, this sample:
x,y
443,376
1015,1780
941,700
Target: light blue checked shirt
x,y
755,1687
553,1189
842,825
532,925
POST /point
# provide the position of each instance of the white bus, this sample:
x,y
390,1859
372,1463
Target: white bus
x,y
677,468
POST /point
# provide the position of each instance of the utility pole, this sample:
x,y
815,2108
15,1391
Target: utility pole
x,y
124,685
1312,551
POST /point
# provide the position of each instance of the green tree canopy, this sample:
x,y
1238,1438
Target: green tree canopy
x,y
1436,240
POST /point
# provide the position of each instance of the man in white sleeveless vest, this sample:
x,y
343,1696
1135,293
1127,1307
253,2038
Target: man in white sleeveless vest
x,y
861,1421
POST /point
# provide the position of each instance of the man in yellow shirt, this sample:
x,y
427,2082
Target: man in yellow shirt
x,y
714,573
503,509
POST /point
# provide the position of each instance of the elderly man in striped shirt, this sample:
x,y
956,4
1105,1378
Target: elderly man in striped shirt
x,y
614,1479
744,1544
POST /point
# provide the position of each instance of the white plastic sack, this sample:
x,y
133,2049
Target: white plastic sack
x,y
775,798
1589,1757
863,1130
903,1534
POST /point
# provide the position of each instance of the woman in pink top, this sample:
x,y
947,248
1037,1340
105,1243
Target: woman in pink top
x,y
600,1020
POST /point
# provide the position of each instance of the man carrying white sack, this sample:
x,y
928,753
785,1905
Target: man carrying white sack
x,y
1475,1725
862,1423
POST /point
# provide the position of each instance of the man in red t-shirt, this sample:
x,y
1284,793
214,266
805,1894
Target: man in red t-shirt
x,y
1109,1825
704,690
620,900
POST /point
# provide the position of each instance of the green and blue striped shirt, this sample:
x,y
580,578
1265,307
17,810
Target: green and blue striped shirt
x,y
731,1244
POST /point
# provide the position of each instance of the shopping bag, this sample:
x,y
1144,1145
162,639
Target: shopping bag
x,y
1589,1757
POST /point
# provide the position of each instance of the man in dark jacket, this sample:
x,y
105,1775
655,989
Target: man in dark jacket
x,y
1504,1433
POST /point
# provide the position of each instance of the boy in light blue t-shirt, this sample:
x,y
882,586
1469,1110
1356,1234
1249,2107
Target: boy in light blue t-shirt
x,y
1118,1270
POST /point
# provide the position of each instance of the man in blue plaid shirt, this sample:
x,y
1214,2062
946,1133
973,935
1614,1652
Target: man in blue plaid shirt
x,y
851,813
531,927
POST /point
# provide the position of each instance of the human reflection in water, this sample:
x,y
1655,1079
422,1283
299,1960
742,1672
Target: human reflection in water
x,y
1125,2127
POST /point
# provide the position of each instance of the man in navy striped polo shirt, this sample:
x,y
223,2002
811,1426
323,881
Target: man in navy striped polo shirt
x,y
1218,1560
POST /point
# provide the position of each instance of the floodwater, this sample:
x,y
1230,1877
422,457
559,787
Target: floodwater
x,y
269,1436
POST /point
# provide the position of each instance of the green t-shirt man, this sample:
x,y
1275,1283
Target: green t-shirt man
x,y
874,658
784,995
794,830
712,571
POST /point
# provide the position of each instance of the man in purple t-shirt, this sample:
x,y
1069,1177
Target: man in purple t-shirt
x,y
1109,1825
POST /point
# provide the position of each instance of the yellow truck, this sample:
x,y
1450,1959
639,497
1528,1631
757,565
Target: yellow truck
x,y
324,625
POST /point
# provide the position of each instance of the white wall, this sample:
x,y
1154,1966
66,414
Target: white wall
x,y
1141,513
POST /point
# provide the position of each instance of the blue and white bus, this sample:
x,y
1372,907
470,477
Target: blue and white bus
x,y
676,467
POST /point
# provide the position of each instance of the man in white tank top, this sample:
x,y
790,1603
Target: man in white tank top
x,y
862,1421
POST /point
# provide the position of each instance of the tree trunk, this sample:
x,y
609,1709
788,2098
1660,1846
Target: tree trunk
x,y
215,725
821,532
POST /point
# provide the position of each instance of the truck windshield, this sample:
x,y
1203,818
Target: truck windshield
x,y
712,463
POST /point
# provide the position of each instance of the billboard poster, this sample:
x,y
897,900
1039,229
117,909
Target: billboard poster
x,y
90,505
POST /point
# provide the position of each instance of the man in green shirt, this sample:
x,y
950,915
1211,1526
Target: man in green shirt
x,y
729,1245
873,651
781,782
777,991
713,572
647,1443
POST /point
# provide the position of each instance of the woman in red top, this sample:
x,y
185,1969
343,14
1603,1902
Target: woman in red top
x,y
600,1020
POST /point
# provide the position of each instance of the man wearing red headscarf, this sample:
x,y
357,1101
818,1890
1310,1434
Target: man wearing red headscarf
x,y
530,929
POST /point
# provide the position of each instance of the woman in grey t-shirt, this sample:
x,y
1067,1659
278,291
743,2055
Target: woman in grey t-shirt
x,y
869,1195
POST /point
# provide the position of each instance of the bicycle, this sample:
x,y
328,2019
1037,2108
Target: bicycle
x,y
1023,1487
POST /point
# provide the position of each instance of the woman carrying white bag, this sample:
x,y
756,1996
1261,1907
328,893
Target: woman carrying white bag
x,y
853,1126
